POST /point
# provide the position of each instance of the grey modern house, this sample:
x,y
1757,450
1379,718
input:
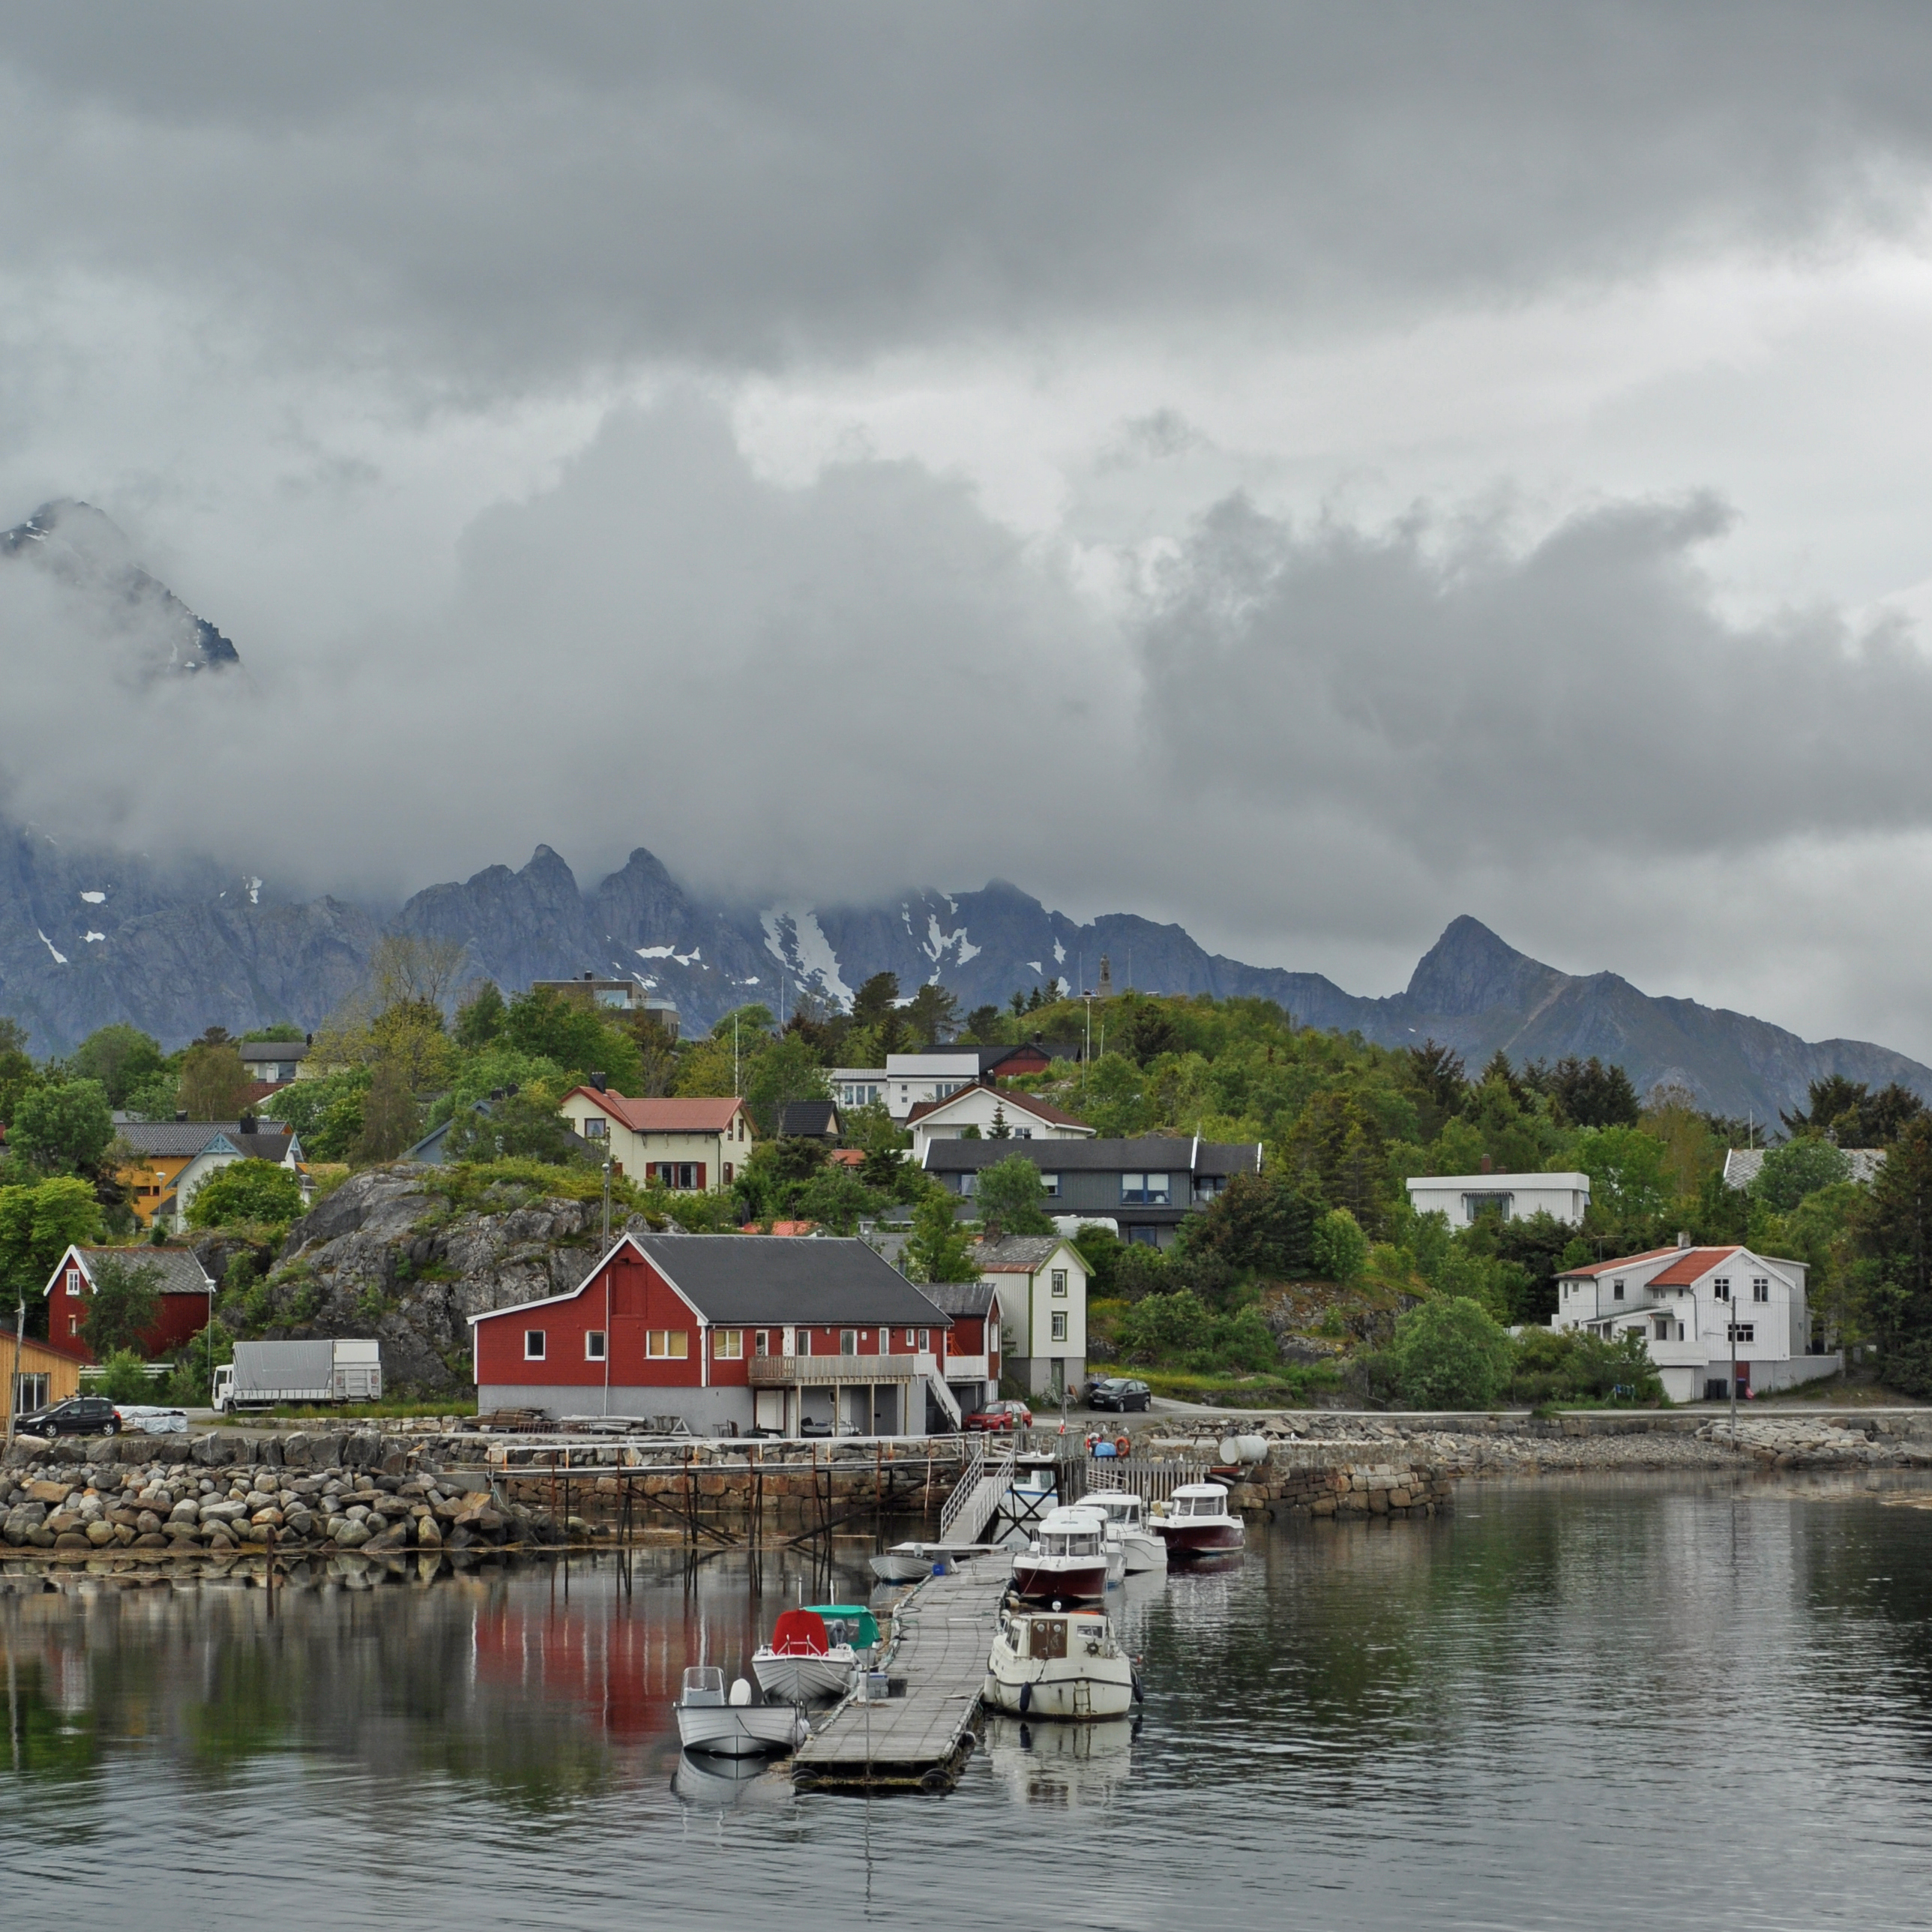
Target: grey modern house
x,y
1145,1187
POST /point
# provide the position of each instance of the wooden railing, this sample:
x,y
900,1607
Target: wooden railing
x,y
824,1369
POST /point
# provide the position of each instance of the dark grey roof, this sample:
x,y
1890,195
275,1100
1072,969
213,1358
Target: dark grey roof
x,y
180,1272
770,1280
271,1049
960,1297
168,1139
814,1119
1016,1251
1149,1152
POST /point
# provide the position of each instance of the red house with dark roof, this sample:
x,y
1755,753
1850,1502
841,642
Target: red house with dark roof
x,y
187,1295
727,1333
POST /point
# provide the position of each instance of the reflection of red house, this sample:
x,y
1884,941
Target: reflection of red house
x,y
187,1297
600,1663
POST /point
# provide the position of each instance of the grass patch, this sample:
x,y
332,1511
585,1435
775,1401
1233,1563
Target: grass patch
x,y
396,1408
1293,1385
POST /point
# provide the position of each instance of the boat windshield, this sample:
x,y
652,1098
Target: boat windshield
x,y
704,1683
1209,1505
848,1623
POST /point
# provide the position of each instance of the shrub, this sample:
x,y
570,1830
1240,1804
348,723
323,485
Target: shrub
x,y
1797,1169
124,1378
1450,1353
1180,1330
125,1303
1568,1365
256,1191
1338,1248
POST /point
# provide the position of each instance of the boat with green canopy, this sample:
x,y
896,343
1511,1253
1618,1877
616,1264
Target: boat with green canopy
x,y
814,1650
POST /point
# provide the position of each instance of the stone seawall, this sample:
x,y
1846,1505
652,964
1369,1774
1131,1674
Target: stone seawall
x,y
1342,1487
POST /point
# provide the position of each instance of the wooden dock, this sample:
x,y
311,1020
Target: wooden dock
x,y
942,1633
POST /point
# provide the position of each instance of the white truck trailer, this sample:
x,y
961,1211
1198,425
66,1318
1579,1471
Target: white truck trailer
x,y
265,1374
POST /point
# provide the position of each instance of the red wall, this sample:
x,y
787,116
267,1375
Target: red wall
x,y
182,1318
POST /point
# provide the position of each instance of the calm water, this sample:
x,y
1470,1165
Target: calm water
x,y
1632,1703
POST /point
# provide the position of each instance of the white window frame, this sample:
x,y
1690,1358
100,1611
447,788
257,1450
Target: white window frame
x,y
848,1341
1760,1289
541,1336
1059,1325
1059,1284
727,1345
596,1344
1049,1185
1745,1332
667,1337
1721,1287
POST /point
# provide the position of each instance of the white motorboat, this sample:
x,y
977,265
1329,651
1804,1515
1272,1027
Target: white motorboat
x,y
734,1725
1058,1663
1127,1519
1197,1522
1071,1559
912,1562
814,1651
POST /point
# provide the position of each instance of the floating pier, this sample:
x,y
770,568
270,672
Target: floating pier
x,y
920,1737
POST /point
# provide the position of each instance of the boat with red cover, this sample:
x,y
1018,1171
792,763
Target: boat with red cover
x,y
814,1651
1196,1521
1069,1560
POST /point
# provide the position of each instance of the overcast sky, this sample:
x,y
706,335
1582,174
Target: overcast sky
x,y
1302,471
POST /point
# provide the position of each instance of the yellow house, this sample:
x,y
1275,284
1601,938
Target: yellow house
x,y
690,1146
45,1373
164,1150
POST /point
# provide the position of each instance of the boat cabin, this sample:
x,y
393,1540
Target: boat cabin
x,y
1121,1509
1199,1499
850,1624
1073,1532
1047,1636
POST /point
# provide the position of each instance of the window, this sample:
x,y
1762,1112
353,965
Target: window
x,y
593,1129
1022,1133
1617,1292
727,1345
667,1344
1145,1190
533,1345
1059,1325
761,1342
1743,1331
912,1338
925,1340
1760,1289
593,1345
1059,1284
73,1281
969,1185
1721,1287
681,1176
804,1341
1474,1206
32,1391
848,1341
1664,1327
1049,1185
727,1174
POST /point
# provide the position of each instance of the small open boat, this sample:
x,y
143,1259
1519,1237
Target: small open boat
x,y
1069,1561
1197,1522
815,1650
1058,1663
734,1726
912,1562
1127,1520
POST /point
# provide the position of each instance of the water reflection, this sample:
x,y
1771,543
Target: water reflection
x,y
1569,1703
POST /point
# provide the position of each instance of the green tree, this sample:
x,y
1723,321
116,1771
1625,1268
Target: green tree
x,y
122,1058
1258,1222
390,1119
18,1073
784,1069
38,1224
575,1035
246,1191
480,1018
520,1126
938,1248
1450,1353
931,1014
1589,1094
123,1307
63,1127
213,1081
124,1377
1891,1236
1625,1165
836,1198
1338,1247
876,999
1010,1200
1798,1168
326,1111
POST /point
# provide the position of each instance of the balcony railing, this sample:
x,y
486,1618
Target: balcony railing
x,y
823,1369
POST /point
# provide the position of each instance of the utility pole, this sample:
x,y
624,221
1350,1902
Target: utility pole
x,y
607,1210
735,1094
1731,1306
13,1380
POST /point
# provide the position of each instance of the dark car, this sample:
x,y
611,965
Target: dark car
x,y
1001,1415
79,1415
1121,1393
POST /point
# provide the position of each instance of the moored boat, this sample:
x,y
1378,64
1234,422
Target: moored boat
x,y
1197,1522
1142,1550
733,1725
814,1651
1069,1560
912,1562
1058,1663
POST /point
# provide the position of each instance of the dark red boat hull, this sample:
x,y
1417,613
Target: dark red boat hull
x,y
1086,1582
1186,1539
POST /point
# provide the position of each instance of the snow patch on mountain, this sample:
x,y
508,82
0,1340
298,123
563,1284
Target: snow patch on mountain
x,y
60,958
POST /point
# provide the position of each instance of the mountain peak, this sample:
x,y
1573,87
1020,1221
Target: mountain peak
x,y
1469,970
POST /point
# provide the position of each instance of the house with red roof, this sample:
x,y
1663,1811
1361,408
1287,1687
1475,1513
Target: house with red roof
x,y
689,1146
1692,1307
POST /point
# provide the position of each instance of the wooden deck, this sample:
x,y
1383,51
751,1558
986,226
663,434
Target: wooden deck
x,y
942,1633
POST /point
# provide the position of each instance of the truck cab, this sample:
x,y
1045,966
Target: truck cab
x,y
224,1388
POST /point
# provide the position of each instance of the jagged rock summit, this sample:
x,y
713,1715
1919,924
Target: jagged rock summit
x,y
88,555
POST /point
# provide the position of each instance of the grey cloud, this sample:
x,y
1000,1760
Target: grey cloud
x,y
1472,702
492,194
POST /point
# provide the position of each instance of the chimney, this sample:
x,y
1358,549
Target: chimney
x,y
601,1081
1683,1239
180,1113
1487,1165
590,975
247,1124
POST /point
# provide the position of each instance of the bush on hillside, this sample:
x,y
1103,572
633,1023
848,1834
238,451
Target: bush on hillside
x,y
259,1193
1799,1168
1568,1365
1451,1353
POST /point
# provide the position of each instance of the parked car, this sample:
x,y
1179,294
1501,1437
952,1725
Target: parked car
x,y
1119,1392
79,1415
1001,1415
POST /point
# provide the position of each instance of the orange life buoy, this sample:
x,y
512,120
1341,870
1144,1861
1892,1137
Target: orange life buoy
x,y
1123,1444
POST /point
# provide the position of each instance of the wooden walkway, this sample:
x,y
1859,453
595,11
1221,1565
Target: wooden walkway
x,y
942,1633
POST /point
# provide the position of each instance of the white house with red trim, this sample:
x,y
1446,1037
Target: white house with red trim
x,y
1684,1300
992,1113
689,1146
728,1333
